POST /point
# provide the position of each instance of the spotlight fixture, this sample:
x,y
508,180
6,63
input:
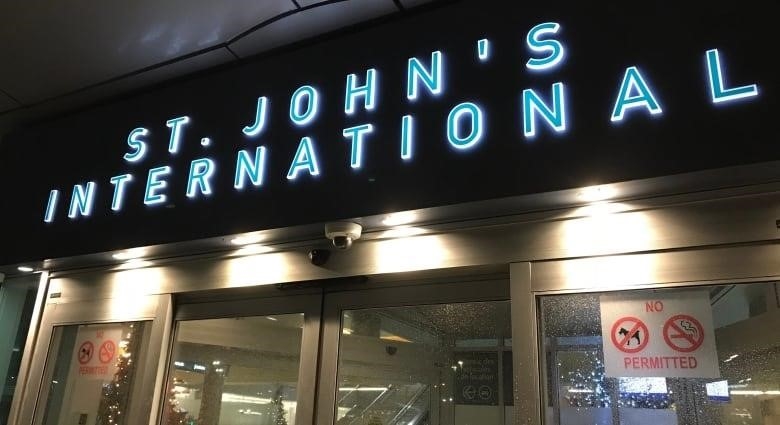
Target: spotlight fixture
x,y
596,193
400,218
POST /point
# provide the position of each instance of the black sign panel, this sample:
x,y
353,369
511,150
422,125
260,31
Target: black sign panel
x,y
508,99
476,378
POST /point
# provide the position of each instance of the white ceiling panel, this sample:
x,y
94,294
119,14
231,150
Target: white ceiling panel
x,y
60,46
311,22
6,102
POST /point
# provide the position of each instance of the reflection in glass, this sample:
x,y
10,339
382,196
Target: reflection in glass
x,y
235,371
17,301
439,365
746,325
91,372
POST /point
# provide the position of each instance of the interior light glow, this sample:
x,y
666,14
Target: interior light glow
x,y
246,239
755,392
399,219
25,269
238,398
129,254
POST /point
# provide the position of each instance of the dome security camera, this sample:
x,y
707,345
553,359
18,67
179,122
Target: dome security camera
x,y
319,257
342,234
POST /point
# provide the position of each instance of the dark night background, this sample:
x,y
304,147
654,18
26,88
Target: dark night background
x,y
666,40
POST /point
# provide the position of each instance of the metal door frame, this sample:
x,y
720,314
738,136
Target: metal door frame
x,y
147,386
741,264
452,290
309,304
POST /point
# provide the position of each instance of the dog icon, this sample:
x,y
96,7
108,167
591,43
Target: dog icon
x,y
635,335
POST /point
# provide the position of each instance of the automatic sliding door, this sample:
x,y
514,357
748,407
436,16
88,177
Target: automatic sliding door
x,y
248,362
417,356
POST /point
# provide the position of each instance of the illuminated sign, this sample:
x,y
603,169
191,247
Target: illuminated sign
x,y
460,102
464,128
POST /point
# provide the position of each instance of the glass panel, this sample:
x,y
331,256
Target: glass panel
x,y
724,367
91,372
235,371
437,364
17,301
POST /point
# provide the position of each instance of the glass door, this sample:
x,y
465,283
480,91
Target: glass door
x,y
93,372
100,362
691,355
418,354
251,361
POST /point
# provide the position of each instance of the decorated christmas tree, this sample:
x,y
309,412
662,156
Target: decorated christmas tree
x,y
174,414
278,414
113,402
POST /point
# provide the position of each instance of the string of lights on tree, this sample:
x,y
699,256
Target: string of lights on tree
x,y
115,394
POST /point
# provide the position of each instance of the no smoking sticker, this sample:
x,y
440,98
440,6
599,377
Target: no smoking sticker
x,y
630,335
107,350
683,333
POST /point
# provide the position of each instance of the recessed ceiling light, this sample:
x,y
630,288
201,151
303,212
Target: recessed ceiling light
x,y
253,250
25,269
129,254
134,263
402,232
596,193
400,218
246,239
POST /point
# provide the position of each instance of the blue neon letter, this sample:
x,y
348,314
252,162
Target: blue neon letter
x,y
368,91
252,168
718,88
260,115
483,49
407,137
119,190
201,171
634,93
553,48
153,184
304,158
555,117
355,134
82,200
432,79
175,125
138,146
312,102
454,133
54,195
